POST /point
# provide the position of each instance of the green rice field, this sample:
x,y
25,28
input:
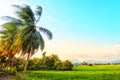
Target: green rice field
x,y
97,72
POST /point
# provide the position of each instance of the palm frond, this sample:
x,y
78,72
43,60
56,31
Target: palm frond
x,y
38,13
46,31
40,40
27,36
25,13
12,19
18,7
29,12
10,30
9,26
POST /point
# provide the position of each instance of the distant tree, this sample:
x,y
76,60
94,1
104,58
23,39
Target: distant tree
x,y
51,62
67,65
84,63
58,65
44,54
34,64
90,64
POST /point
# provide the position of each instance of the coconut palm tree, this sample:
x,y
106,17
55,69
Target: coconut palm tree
x,y
27,39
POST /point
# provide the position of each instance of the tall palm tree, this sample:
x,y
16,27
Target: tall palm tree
x,y
27,38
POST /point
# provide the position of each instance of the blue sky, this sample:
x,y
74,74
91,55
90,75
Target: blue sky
x,y
96,20
82,29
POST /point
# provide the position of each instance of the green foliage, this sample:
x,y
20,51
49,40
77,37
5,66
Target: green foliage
x,y
51,62
2,62
19,64
33,64
66,65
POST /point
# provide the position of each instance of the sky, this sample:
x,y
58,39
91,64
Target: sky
x,y
82,29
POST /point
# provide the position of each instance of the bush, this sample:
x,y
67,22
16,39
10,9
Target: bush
x,y
19,64
51,62
66,65
90,64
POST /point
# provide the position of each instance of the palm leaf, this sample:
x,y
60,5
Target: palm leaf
x,y
12,20
38,13
25,13
29,12
10,30
46,31
10,26
40,40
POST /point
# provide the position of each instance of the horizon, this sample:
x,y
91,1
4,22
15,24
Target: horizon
x,y
82,30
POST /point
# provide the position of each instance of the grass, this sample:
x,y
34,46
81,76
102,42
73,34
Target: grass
x,y
101,72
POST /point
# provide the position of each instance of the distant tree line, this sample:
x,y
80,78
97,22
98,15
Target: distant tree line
x,y
84,63
51,62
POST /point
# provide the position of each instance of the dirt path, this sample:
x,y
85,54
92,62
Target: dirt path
x,y
6,76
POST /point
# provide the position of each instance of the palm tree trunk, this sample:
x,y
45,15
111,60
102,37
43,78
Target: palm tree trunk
x,y
26,64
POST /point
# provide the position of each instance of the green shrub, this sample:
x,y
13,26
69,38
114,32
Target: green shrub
x,y
51,62
90,64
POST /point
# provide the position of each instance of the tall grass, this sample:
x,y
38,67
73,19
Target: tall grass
x,y
101,72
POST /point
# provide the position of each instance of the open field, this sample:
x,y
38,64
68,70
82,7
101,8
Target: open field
x,y
100,72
